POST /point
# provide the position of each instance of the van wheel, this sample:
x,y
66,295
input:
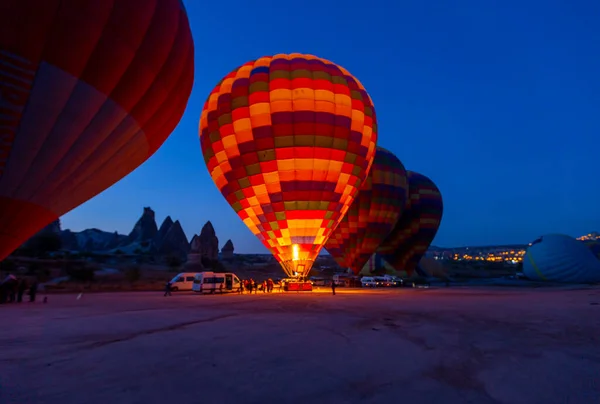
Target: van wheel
x,y
175,289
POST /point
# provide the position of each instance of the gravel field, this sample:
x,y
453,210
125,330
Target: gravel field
x,y
448,345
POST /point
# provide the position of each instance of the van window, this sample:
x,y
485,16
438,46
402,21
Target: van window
x,y
180,279
189,278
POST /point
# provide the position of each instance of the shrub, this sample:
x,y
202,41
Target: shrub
x,y
174,262
79,272
8,266
133,273
39,271
215,265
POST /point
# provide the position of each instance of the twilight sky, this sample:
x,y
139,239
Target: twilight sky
x,y
497,102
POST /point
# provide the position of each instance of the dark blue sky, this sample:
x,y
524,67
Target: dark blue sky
x,y
497,102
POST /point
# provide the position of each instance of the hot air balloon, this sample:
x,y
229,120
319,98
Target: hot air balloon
x,y
289,140
372,215
594,245
416,229
89,90
560,258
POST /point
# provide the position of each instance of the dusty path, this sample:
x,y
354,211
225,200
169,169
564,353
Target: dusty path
x,y
420,346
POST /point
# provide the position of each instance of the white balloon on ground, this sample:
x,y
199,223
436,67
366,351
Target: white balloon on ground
x,y
560,258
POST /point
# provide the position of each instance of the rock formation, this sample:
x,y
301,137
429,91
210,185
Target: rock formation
x,y
162,232
227,250
209,243
69,240
53,227
145,228
195,245
194,258
174,242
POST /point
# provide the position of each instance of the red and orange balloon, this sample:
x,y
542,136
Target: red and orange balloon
x,y
289,140
89,89
373,213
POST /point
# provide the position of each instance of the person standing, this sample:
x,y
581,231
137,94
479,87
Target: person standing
x,y
21,290
33,291
167,289
333,287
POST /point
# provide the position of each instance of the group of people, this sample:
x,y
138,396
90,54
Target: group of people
x,y
250,285
12,289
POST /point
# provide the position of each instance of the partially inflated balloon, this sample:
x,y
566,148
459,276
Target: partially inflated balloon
x,y
416,229
594,245
289,140
89,89
373,213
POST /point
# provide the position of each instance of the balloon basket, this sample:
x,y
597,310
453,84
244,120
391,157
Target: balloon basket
x,y
298,286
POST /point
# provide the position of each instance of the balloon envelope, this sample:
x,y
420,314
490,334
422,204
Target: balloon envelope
x,y
413,233
594,246
89,90
560,258
372,215
289,140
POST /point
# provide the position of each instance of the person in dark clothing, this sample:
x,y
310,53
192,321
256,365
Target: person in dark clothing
x,y
33,291
333,287
21,290
221,288
12,292
167,289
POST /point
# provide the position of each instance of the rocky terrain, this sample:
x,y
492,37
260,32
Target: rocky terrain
x,y
145,238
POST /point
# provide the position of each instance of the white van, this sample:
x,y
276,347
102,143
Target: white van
x,y
368,282
182,281
211,282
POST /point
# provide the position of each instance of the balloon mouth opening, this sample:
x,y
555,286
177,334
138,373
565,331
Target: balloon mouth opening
x,y
297,269
298,264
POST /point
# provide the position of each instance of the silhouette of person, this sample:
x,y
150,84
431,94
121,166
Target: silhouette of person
x,y
33,291
21,290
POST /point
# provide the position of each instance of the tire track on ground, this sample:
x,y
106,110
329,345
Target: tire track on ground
x,y
173,327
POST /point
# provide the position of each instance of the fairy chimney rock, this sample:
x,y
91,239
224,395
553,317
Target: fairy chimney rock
x,y
208,242
227,250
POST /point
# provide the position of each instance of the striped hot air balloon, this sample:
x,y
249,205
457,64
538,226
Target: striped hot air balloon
x,y
289,140
373,213
413,233
89,90
560,258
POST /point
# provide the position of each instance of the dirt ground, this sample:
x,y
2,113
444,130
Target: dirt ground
x,y
455,345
